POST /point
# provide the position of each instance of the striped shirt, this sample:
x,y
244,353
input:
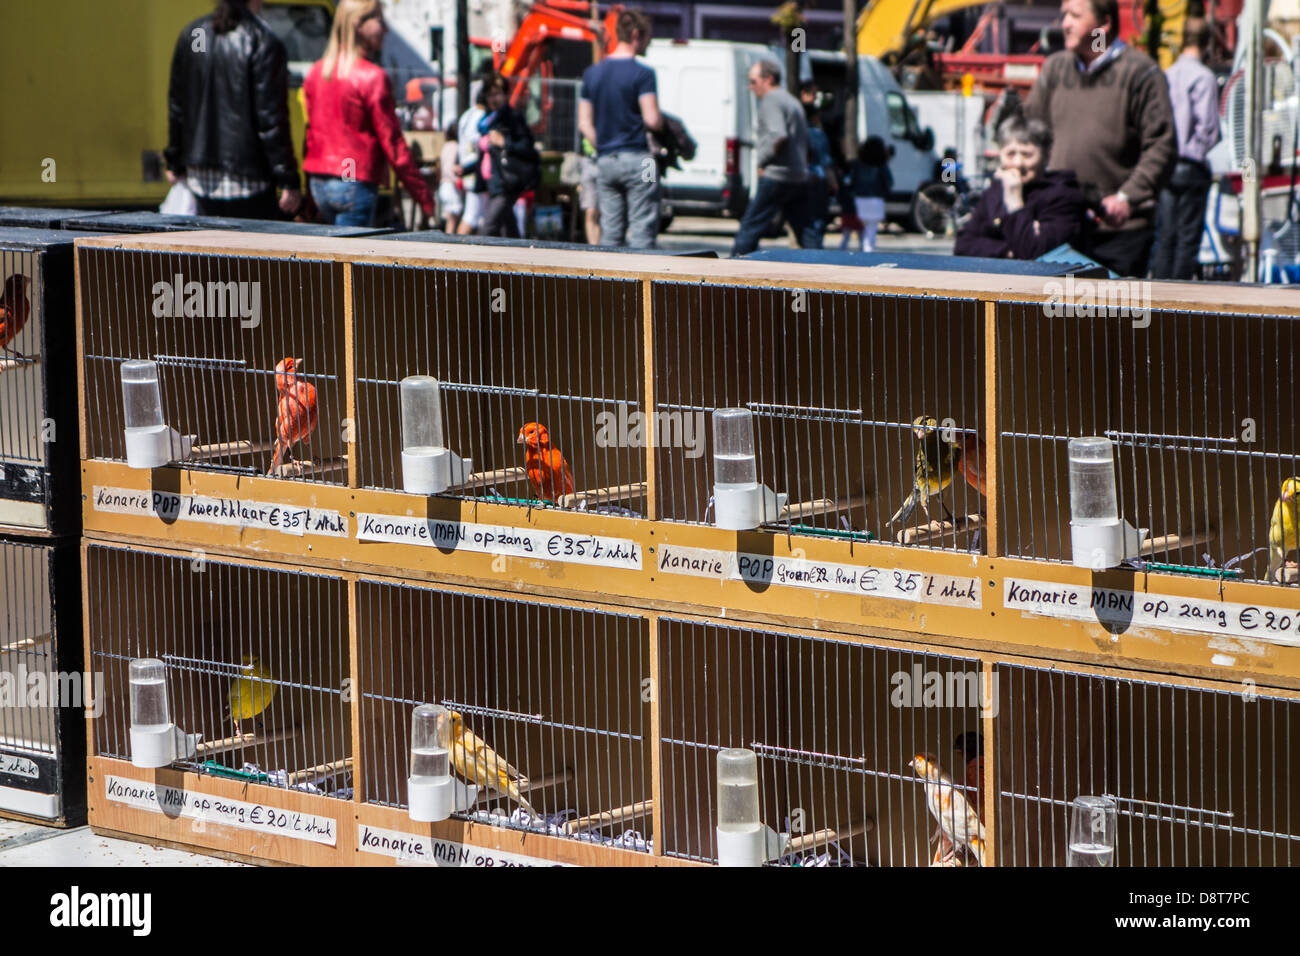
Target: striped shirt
x,y
210,183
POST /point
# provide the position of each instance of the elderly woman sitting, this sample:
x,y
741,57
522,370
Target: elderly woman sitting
x,y
1028,210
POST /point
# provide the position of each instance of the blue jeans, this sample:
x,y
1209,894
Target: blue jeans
x,y
627,194
770,198
344,202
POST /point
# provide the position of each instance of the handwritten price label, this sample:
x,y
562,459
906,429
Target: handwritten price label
x,y
267,516
1082,603
431,851
221,810
894,583
498,539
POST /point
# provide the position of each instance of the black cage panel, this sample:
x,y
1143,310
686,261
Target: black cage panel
x,y
43,686
38,377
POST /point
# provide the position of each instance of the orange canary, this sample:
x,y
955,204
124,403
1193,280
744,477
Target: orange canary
x,y
548,473
14,308
295,419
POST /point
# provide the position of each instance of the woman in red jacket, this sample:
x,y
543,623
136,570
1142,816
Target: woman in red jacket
x,y
352,128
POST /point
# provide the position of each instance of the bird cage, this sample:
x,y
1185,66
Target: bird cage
x,y
1199,775
38,405
43,686
256,663
541,379
857,400
837,728
550,705
155,222
249,355
1196,406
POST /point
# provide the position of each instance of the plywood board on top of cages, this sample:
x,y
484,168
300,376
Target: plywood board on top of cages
x,y
1214,296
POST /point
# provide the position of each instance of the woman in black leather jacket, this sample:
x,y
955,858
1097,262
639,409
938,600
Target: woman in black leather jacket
x,y
228,115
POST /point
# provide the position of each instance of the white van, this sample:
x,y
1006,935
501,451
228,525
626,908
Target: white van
x,y
705,84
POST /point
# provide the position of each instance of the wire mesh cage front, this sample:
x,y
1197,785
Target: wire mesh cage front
x,y
250,355
841,386
1198,407
551,701
257,663
837,728
42,684
537,373
1200,777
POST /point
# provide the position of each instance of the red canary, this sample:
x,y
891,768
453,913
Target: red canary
x,y
295,419
14,308
548,473
971,463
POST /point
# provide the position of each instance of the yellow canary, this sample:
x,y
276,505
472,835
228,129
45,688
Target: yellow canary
x,y
1284,529
479,764
936,463
248,695
959,823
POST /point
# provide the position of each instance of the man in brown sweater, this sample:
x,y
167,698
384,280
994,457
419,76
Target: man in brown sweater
x,y
1108,107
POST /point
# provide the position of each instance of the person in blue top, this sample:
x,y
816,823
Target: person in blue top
x,y
868,184
821,170
619,103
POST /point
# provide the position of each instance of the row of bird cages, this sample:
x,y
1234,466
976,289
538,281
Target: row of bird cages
x,y
44,689
679,737
38,410
859,416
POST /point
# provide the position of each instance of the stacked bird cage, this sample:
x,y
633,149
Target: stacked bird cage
x,y
43,685
676,562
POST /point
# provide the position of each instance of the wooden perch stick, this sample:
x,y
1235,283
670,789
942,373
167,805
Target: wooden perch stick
x,y
242,741
26,642
1176,542
939,529
11,363
800,844
601,496
300,469
806,509
591,821
228,449
501,476
525,786
321,770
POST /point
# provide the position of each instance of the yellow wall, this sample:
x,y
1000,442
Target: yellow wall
x,y
85,85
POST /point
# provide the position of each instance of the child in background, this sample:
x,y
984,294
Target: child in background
x,y
869,182
451,194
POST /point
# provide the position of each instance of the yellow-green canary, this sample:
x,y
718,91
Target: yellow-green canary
x,y
1284,529
959,822
479,764
936,462
249,696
